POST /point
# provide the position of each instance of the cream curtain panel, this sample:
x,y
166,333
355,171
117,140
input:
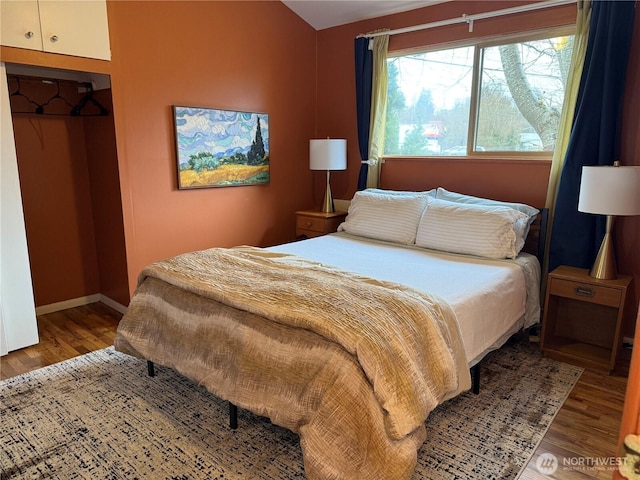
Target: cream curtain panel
x,y
379,46
570,96
581,38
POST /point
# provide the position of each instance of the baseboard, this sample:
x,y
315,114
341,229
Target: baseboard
x,y
113,304
77,302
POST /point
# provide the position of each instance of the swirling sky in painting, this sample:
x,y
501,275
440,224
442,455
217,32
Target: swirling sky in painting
x,y
219,132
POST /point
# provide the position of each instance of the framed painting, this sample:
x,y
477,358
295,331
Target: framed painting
x,y
221,148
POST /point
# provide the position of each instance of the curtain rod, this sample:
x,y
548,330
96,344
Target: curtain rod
x,y
471,18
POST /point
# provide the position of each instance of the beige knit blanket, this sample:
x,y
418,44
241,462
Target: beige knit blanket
x,y
353,365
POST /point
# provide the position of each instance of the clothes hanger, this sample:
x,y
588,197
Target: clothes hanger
x,y
76,111
18,93
88,98
40,109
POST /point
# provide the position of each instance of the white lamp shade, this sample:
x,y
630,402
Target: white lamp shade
x,y
328,154
609,190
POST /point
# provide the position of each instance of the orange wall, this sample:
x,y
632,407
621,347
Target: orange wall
x,y
484,178
249,56
524,181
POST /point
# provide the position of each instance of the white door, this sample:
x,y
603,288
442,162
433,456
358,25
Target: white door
x,y
3,336
18,325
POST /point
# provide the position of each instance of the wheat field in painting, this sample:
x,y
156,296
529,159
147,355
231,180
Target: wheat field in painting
x,y
225,175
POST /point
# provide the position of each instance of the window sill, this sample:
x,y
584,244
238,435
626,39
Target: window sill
x,y
484,159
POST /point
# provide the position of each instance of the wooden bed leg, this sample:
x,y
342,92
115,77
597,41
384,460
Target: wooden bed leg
x,y
150,369
233,416
475,380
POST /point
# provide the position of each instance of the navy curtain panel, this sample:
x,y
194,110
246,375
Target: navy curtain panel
x,y
364,80
595,134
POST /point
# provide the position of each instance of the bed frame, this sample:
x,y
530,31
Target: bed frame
x,y
537,238
535,244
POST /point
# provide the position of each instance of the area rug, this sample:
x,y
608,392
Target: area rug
x,y
99,416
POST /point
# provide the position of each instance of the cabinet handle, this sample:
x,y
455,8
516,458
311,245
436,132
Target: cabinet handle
x,y
585,291
54,38
308,223
29,35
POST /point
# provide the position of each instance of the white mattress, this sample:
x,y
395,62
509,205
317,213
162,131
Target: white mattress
x,y
492,299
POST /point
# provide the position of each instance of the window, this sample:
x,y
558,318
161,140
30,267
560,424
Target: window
x,y
519,89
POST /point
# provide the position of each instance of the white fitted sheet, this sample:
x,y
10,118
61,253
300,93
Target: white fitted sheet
x,y
492,299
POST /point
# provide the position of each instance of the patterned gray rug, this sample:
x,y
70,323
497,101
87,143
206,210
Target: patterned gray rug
x,y
99,416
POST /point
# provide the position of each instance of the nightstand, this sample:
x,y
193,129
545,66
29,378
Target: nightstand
x,y
311,224
583,317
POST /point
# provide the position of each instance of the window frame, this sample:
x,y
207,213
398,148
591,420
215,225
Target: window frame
x,y
478,45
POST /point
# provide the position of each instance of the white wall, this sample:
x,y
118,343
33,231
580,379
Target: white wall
x,y
18,325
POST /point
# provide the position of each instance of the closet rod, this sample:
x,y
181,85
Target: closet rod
x,y
471,18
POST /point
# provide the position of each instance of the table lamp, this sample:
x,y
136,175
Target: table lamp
x,y
328,154
611,191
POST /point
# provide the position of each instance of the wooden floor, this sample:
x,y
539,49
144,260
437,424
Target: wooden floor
x,y
63,335
582,437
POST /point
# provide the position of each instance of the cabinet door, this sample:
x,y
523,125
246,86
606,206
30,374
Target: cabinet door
x,y
75,27
20,24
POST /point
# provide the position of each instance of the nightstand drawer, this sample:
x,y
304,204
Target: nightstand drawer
x,y
310,223
314,224
585,292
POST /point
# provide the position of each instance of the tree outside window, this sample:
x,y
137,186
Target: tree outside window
x,y
520,89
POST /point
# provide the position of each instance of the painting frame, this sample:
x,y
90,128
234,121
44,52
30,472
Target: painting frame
x,y
220,148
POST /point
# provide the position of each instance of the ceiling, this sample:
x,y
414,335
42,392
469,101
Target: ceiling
x,y
322,14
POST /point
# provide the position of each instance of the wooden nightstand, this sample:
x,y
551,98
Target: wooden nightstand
x,y
311,224
583,317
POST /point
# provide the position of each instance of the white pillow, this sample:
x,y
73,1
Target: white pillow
x,y
481,230
522,227
384,216
430,193
443,194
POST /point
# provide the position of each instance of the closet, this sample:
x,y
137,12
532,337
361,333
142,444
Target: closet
x,y
69,187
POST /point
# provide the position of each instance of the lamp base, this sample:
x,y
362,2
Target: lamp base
x,y
327,204
604,268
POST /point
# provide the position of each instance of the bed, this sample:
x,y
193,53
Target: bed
x,y
349,339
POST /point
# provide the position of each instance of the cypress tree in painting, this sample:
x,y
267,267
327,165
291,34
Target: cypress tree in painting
x,y
255,156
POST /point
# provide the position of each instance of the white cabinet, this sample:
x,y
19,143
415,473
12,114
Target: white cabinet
x,y
75,28
20,24
69,27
